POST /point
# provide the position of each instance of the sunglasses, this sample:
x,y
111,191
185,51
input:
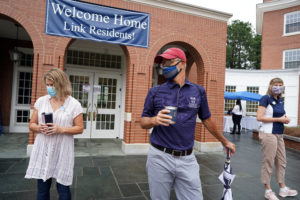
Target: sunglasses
x,y
168,63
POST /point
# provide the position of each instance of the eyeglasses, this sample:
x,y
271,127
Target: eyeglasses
x,y
168,63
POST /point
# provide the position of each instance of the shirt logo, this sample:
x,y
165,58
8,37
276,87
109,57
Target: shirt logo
x,y
192,102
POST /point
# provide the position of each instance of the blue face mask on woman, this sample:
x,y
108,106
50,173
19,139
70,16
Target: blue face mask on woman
x,y
51,91
170,72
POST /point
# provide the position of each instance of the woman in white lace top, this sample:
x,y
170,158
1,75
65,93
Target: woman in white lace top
x,y
52,155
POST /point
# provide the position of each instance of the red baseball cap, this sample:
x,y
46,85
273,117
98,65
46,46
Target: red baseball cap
x,y
169,54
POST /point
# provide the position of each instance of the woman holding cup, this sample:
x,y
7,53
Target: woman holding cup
x,y
272,114
52,155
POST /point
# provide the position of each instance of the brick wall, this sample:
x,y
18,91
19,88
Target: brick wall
x,y
203,38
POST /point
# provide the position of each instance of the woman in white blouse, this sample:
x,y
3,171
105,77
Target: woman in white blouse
x,y
237,113
53,150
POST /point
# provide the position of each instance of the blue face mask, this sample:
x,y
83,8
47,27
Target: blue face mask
x,y
51,91
277,89
170,72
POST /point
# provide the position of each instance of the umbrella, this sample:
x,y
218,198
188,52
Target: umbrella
x,y
244,95
226,177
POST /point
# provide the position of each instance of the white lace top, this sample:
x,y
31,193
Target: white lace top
x,y
52,156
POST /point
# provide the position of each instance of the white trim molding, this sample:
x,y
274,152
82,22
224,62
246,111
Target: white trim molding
x,y
186,8
208,146
135,149
271,6
127,117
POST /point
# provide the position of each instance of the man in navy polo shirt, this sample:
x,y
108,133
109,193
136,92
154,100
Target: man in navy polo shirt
x,y
170,158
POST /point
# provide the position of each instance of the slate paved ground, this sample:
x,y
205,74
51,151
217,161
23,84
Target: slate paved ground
x,y
116,176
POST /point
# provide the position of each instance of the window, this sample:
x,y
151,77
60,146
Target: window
x,y
229,104
93,59
22,116
251,106
24,88
292,22
26,60
291,58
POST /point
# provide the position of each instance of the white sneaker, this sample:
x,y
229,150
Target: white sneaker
x,y
288,192
271,196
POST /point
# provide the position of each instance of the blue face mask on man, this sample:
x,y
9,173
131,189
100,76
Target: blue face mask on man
x,y
51,91
170,72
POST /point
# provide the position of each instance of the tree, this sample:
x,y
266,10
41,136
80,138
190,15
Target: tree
x,y
255,52
243,46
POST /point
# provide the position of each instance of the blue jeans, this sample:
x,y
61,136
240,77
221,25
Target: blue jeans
x,y
44,190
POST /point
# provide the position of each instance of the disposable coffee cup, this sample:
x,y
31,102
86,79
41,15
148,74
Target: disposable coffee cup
x,y
173,113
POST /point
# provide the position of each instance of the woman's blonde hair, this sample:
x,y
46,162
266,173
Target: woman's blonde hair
x,y
61,82
272,82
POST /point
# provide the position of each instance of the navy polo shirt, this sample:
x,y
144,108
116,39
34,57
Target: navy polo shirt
x,y
274,109
190,100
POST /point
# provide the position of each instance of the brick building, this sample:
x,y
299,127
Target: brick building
x,y
116,77
279,24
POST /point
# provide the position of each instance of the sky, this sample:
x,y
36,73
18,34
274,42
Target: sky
x,y
244,10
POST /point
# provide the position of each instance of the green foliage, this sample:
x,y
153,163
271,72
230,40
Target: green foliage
x,y
243,49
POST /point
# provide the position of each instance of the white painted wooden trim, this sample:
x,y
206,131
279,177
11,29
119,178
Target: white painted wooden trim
x,y
186,8
13,126
271,6
128,117
104,48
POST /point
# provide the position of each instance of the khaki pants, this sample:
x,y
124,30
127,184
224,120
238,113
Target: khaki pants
x,y
273,150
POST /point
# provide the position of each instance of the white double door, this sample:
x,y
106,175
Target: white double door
x,y
100,96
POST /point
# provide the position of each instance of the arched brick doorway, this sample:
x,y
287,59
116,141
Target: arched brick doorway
x,y
194,67
16,73
97,72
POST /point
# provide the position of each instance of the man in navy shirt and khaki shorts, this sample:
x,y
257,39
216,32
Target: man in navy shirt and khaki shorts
x,y
171,161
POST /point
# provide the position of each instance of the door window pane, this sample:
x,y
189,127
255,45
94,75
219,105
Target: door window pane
x,y
24,90
78,83
26,60
107,97
22,116
105,121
